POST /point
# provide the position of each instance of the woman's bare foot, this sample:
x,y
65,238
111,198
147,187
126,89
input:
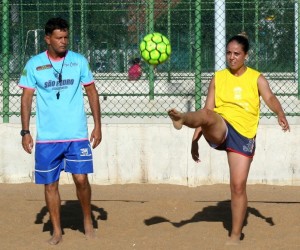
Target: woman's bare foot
x,y
234,240
55,239
176,117
89,231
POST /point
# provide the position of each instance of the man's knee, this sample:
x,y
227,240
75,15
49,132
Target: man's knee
x,y
81,180
51,187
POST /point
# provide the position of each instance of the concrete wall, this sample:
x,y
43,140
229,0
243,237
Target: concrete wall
x,y
157,153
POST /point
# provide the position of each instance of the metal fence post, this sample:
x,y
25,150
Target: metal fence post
x,y
220,34
5,59
82,28
198,85
256,35
150,17
71,11
169,36
297,24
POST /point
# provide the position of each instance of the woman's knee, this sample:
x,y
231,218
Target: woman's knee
x,y
211,119
207,115
238,188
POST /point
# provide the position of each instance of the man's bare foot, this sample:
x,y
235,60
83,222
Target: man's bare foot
x,y
234,240
55,239
176,118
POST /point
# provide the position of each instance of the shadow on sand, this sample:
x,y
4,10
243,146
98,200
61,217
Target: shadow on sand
x,y
71,216
219,213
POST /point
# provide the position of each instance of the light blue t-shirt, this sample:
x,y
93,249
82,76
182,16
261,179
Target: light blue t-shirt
x,y
60,114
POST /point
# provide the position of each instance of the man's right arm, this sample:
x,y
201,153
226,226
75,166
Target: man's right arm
x,y
26,104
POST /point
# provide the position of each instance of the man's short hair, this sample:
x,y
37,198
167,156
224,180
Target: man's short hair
x,y
56,23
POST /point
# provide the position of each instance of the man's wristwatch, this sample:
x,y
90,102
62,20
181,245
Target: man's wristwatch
x,y
24,132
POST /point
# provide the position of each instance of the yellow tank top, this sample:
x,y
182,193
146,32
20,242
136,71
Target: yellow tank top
x,y
237,100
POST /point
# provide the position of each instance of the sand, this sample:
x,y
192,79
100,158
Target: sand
x,y
144,216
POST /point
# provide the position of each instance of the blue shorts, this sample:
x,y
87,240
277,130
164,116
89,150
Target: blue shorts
x,y
52,158
235,142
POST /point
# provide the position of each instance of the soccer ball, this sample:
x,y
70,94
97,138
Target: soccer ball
x,y
155,48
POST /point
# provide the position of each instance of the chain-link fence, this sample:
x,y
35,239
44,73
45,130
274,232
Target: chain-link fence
x,y
108,33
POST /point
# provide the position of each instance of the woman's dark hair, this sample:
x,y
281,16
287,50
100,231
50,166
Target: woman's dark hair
x,y
56,23
241,39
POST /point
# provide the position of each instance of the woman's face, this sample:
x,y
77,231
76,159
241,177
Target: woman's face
x,y
235,56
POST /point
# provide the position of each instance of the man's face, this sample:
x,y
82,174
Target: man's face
x,y
57,42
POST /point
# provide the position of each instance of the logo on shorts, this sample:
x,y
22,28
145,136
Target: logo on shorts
x,y
249,147
85,152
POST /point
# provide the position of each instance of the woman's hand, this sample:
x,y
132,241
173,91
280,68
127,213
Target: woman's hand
x,y
195,151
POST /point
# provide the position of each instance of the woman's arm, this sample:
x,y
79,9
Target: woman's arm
x,y
209,104
272,102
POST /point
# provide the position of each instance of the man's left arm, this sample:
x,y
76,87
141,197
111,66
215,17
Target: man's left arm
x,y
93,97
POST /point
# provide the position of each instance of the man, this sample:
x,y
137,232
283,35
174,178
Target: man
x,y
62,141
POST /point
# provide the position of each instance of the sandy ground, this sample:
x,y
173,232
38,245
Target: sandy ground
x,y
140,216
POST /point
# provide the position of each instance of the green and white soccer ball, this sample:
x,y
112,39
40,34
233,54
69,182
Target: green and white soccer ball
x,y
155,48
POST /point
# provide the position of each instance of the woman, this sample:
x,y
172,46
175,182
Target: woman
x,y
229,122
